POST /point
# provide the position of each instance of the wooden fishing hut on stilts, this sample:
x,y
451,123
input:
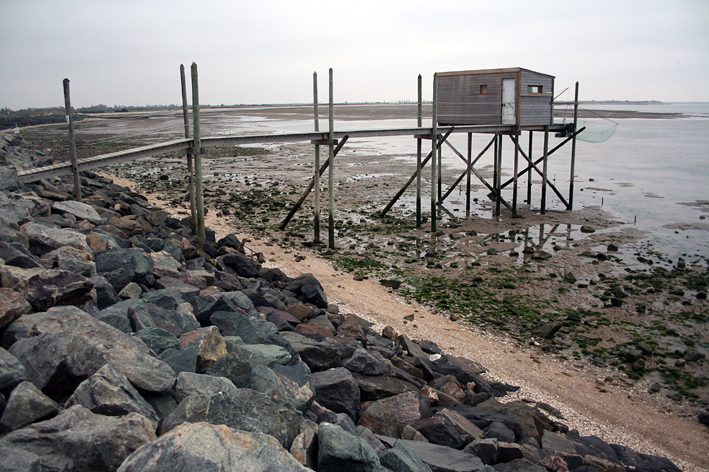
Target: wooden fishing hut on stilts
x,y
497,102
501,102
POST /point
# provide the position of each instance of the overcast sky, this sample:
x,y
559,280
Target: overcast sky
x,y
124,52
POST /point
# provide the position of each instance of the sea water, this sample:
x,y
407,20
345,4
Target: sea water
x,y
652,174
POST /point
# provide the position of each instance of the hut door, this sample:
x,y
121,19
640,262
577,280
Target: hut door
x,y
509,111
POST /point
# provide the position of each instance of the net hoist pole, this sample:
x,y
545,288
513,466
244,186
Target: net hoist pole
x,y
573,149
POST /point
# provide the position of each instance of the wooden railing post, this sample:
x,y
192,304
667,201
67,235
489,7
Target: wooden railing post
x,y
316,183
188,152
434,141
197,154
418,155
72,141
331,174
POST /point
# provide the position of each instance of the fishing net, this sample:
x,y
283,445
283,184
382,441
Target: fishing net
x,y
596,131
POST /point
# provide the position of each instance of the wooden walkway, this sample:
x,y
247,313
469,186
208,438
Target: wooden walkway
x,y
103,160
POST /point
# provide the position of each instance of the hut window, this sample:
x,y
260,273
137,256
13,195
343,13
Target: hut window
x,y
483,90
534,89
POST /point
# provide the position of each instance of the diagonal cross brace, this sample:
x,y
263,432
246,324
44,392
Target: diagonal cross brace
x,y
413,177
450,189
482,179
556,148
536,169
300,201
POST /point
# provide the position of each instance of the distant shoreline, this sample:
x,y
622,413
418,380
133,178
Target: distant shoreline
x,y
622,102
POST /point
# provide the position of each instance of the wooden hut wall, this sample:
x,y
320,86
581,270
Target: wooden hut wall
x,y
536,108
460,101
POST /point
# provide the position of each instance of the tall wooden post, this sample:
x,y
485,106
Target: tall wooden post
x,y
316,196
434,141
440,172
494,163
498,182
197,155
418,154
529,172
190,165
72,141
573,149
331,174
469,171
516,167
544,170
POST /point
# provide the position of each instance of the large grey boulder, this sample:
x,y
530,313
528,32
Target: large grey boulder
x,y
268,355
401,459
440,430
137,312
381,386
238,323
158,339
442,458
364,362
106,295
468,431
176,322
10,231
16,254
318,355
16,212
12,306
12,372
633,460
309,290
187,291
9,181
280,388
58,287
190,383
122,266
389,416
26,405
114,316
210,346
211,448
80,210
44,288
305,447
108,392
18,460
340,451
337,390
71,259
556,442
68,345
44,239
182,360
240,408
486,449
78,440
225,301
238,264
168,298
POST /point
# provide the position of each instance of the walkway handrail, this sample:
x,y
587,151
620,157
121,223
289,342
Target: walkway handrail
x,y
119,157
